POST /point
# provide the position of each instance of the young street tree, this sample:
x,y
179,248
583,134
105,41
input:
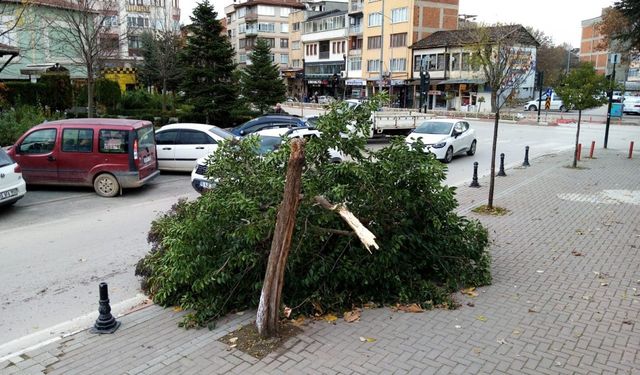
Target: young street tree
x,y
161,67
505,56
261,82
582,89
208,66
84,28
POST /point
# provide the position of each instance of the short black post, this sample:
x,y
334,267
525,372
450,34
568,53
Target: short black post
x,y
474,182
526,157
105,323
501,171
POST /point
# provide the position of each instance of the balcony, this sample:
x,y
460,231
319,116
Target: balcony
x,y
324,55
138,8
252,16
356,6
251,32
355,29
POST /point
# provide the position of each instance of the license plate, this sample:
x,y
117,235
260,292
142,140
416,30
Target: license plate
x,y
205,185
146,159
8,193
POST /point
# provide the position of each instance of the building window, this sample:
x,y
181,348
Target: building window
x,y
242,28
242,43
284,43
355,63
375,19
325,24
295,63
134,42
295,26
356,44
284,59
266,27
442,60
242,12
295,45
399,15
284,27
265,10
399,40
344,50
284,12
110,21
270,41
242,57
374,42
373,65
398,65
455,61
466,57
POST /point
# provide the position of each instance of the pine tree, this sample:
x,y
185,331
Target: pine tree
x,y
261,82
208,60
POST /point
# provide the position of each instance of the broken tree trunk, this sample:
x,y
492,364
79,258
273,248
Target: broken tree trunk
x,y
367,238
269,307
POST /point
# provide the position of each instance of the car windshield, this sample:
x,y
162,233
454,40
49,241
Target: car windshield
x,y
221,133
5,159
269,144
145,137
433,127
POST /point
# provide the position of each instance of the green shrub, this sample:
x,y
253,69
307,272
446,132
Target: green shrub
x,y
141,99
15,122
56,91
24,93
108,94
210,255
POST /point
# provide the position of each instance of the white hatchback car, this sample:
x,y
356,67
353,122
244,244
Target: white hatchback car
x,y
178,146
270,140
12,185
445,138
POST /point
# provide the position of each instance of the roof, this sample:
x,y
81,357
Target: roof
x,y
96,121
462,37
333,12
8,50
281,3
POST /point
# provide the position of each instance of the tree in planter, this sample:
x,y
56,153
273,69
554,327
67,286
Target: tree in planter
x,y
480,101
583,89
261,82
502,55
208,66
210,255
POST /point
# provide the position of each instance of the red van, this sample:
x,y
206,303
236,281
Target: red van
x,y
108,154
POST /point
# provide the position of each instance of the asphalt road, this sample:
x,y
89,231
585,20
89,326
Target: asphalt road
x,y
59,243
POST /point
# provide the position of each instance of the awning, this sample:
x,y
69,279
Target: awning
x,y
39,69
474,81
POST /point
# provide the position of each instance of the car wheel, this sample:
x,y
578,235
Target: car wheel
x,y
472,149
562,108
533,108
106,185
448,156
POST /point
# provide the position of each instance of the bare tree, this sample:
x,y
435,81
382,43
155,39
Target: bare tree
x,y
84,28
505,56
11,16
161,65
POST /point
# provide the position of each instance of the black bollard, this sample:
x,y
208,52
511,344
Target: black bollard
x,y
501,172
474,182
526,157
105,323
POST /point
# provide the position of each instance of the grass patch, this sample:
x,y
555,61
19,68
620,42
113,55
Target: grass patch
x,y
495,211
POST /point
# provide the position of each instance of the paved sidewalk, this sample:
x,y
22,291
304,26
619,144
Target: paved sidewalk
x,y
565,300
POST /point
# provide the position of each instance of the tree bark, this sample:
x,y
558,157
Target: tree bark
x,y
164,94
575,152
269,307
492,176
91,105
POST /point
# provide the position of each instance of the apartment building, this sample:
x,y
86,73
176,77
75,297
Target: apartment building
x,y
265,19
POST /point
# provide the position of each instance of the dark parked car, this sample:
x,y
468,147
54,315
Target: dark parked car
x,y
268,122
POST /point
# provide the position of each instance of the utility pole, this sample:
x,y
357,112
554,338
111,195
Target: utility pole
x,y
612,58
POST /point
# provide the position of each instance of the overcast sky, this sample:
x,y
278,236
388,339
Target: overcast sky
x,y
558,18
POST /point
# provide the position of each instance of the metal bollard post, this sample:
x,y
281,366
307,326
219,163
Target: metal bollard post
x,y
526,157
630,150
501,172
105,323
474,182
593,147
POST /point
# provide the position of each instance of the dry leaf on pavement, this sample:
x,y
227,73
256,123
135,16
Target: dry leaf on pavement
x,y
330,318
470,292
481,318
576,253
367,339
233,340
352,316
298,322
412,308
177,308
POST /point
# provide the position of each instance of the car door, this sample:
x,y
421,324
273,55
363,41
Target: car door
x,y
457,142
165,148
556,102
466,137
76,157
191,145
37,156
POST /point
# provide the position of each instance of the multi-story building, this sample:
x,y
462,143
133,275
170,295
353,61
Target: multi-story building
x,y
380,34
265,19
454,82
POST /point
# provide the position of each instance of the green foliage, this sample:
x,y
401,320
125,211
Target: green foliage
x,y
261,82
24,93
108,94
583,88
14,122
160,65
56,91
140,99
210,255
208,67
630,9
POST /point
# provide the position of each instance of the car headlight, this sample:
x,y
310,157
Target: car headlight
x,y
439,145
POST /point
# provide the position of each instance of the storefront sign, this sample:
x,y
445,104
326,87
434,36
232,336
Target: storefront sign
x,y
435,92
314,82
397,82
356,82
